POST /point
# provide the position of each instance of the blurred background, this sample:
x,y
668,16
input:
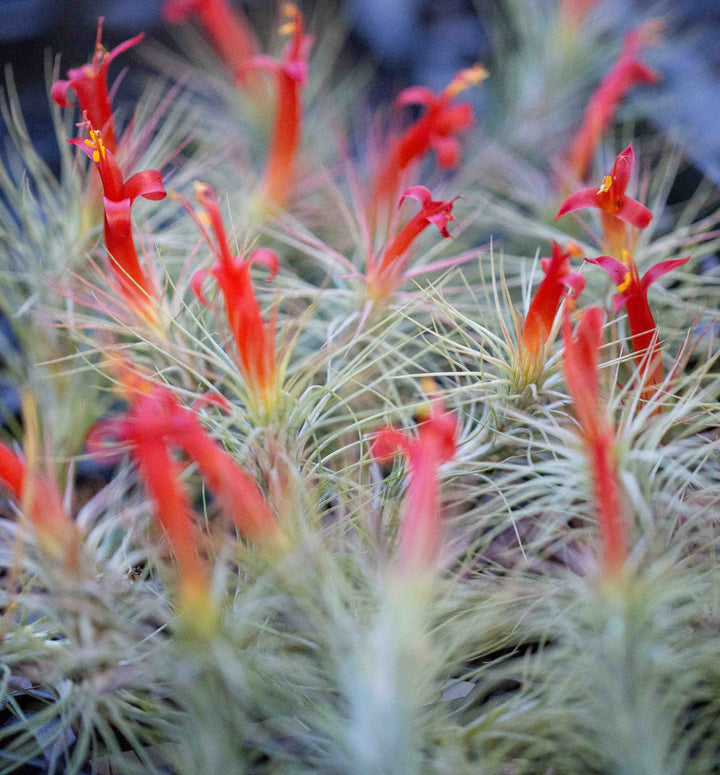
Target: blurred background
x,y
409,41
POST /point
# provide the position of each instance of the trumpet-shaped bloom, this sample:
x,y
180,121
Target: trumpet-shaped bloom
x,y
118,197
433,444
436,129
90,84
632,294
255,339
581,374
611,198
56,533
385,272
627,72
546,301
291,74
228,29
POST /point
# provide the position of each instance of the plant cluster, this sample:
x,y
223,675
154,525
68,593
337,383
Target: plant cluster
x,y
419,500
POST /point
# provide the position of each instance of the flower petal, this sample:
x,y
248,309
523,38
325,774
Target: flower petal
x,y
387,442
661,268
622,169
615,269
267,258
196,283
634,213
419,193
58,93
148,184
587,197
415,95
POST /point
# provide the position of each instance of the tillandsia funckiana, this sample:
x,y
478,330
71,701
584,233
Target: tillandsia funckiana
x,y
423,503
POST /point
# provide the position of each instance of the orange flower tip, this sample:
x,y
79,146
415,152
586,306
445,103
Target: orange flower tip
x,y
470,76
574,250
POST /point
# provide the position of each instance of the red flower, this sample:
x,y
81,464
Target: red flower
x,y
544,305
227,28
255,339
627,71
134,284
56,533
632,294
385,273
291,74
436,129
611,198
581,374
89,83
434,444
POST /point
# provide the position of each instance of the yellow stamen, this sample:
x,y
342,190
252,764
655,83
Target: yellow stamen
x,y
96,142
428,385
605,185
625,256
470,76
625,284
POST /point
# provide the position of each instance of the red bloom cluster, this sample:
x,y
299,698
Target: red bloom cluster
x,y
627,71
90,84
133,282
546,301
385,272
255,339
581,373
228,30
291,74
56,533
434,444
436,129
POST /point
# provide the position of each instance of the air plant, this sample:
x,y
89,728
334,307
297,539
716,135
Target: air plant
x,y
257,589
254,338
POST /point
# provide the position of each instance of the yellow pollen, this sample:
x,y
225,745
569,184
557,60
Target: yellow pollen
x,y
288,28
605,185
625,284
96,142
289,9
428,385
204,218
625,256
470,76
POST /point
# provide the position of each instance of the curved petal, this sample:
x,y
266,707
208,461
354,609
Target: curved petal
x,y
121,48
634,213
58,93
441,220
148,184
419,193
117,216
615,269
387,442
657,271
267,258
587,197
455,118
575,283
622,169
415,95
196,283
80,143
618,301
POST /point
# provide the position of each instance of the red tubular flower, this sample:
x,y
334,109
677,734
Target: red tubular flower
x,y
255,339
581,374
56,533
228,29
436,129
134,284
421,530
546,301
627,71
291,74
89,83
632,294
385,273
616,208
